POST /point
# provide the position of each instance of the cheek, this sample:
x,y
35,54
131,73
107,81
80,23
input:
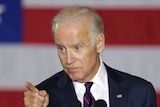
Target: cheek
x,y
91,58
91,54
86,60
62,59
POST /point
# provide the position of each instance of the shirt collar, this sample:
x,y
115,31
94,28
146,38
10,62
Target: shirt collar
x,y
100,79
97,80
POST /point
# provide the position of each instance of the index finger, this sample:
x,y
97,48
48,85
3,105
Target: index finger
x,y
30,86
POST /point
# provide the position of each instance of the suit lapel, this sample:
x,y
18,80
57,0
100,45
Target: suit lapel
x,y
117,92
66,90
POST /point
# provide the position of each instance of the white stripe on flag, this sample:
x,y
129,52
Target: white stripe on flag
x,y
20,63
94,3
140,61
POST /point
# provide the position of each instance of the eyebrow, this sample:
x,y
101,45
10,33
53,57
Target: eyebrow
x,y
79,43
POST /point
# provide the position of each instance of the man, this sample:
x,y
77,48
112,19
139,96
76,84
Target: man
x,y
79,37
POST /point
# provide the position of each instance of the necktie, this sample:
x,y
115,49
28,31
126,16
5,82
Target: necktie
x,y
88,97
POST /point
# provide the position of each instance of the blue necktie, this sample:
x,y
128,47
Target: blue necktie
x,y
88,97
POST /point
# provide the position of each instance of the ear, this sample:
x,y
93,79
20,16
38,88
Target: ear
x,y
100,42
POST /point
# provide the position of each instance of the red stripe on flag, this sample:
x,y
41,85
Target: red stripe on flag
x,y
15,99
11,98
37,26
158,99
131,27
122,27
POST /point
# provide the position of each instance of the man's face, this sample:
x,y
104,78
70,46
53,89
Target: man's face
x,y
77,53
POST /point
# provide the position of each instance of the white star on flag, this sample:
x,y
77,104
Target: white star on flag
x,y
2,10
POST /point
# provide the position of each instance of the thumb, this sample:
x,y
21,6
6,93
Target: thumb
x,y
43,93
30,86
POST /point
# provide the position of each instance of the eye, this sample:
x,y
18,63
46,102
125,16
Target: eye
x,y
61,49
78,47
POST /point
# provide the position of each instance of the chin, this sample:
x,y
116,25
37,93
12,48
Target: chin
x,y
74,78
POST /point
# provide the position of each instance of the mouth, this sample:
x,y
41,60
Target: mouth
x,y
73,73
72,70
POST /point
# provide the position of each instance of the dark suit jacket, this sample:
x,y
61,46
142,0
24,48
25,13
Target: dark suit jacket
x,y
124,90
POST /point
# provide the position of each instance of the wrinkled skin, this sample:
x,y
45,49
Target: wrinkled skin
x,y
79,57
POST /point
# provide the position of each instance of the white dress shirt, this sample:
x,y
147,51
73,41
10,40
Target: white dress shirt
x,y
99,88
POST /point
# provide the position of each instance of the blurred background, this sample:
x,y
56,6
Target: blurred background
x,y
28,53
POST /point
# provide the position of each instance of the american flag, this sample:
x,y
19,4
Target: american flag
x,y
28,53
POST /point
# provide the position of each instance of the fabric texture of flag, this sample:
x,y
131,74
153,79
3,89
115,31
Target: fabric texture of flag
x,y
28,53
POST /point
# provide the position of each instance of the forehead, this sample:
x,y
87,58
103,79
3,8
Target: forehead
x,y
72,32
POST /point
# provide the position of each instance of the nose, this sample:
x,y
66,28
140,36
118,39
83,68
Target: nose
x,y
69,57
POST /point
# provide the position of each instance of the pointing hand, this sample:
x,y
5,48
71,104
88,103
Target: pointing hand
x,y
34,97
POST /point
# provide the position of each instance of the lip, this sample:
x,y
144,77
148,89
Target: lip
x,y
72,69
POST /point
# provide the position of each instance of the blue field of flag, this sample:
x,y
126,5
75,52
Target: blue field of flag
x,y
10,21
